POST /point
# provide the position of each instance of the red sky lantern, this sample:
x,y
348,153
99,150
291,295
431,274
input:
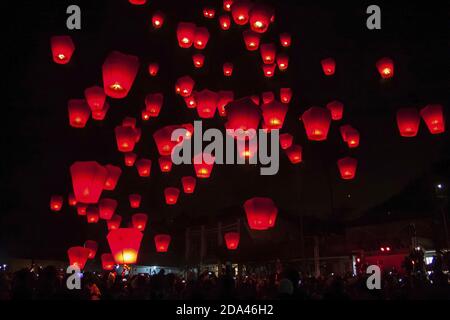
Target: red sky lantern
x,y
185,34
286,140
143,167
92,246
189,184
268,52
92,214
153,103
119,72
209,12
153,69
125,138
114,173
206,103
294,153
328,66
227,5
162,242
78,256
224,22
260,16
124,244
107,261
232,240
135,200
189,130
56,202
261,213
165,163
352,137
158,19
201,37
163,140
71,200
285,40
171,194
138,2
408,121
240,11
251,40
337,109
79,113
81,208
62,49
269,70
343,129
317,123
433,115
100,115
347,167
130,159
274,114
282,61
243,114
114,222
285,95
203,165
95,98
145,115
255,99
247,151
227,69
198,59
184,86
224,97
88,180
190,101
385,67
107,207
139,221
267,97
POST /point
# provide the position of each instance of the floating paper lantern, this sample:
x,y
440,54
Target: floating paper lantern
x,y
139,221
190,101
171,194
251,40
138,2
269,70
153,69
135,200
206,103
114,222
203,165
119,72
81,208
189,184
261,213
408,120
88,180
125,138
224,22
224,97
201,37
259,17
347,167
153,103
143,167
282,61
343,130
317,123
108,262
100,115
352,137
124,244
165,163
267,97
92,214
433,116
130,159
185,34
286,140
95,98
294,153
163,140
114,173
274,114
285,95
62,49
240,12
79,113
56,202
92,246
385,67
158,19
243,115
184,86
107,207
162,242
232,240
189,131
198,59
227,69
336,108
78,256
328,66
268,52
285,39
145,115
71,200
227,5
255,99
209,12
246,150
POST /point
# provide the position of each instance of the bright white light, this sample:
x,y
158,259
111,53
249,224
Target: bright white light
x,y
439,186
429,260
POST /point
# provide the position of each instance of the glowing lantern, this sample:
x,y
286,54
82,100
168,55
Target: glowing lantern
x,y
184,86
107,207
328,66
62,49
247,151
227,5
95,98
71,200
232,240
347,167
79,113
206,103
433,116
317,123
260,16
114,222
135,200
245,115
274,114
185,34
282,61
209,12
138,2
198,59
143,167
113,177
139,221
107,261
269,70
203,165
190,101
268,52
224,22
130,159
145,115
336,108
88,180
343,129
163,140
189,184
286,140
227,69
125,138
165,163
189,130
255,99
267,97
352,137
224,97
171,194
408,120
261,213
56,202
81,208
153,103
285,95
294,153
385,67
124,244
92,246
119,72
158,19
285,39
92,214
153,69
251,40
162,242
240,11
201,37
78,256
99,115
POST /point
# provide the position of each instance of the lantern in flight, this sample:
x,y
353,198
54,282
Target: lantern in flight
x,y
206,103
119,72
261,213
153,69
165,163
243,118
100,115
143,167
343,130
125,138
227,69
286,140
62,49
158,19
203,165
269,70
145,115
79,113
88,180
56,202
135,200
247,150
153,103
114,222
385,67
81,208
114,173
285,95
198,59
251,40
163,140
190,101
95,98
224,22
209,12
138,2
255,99
285,39
139,221
274,114
107,208
347,167
317,123
282,61
201,37
92,246
107,261
268,52
171,194
232,240
336,108
294,153
328,66
408,120
227,5
185,34
224,97
189,184
267,97
78,256
130,159
71,200
240,10
124,244
352,137
162,242
259,17
433,116
184,86
92,214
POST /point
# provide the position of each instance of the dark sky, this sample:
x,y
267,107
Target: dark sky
x,y
39,146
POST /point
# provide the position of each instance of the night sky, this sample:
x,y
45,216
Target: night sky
x,y
39,145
